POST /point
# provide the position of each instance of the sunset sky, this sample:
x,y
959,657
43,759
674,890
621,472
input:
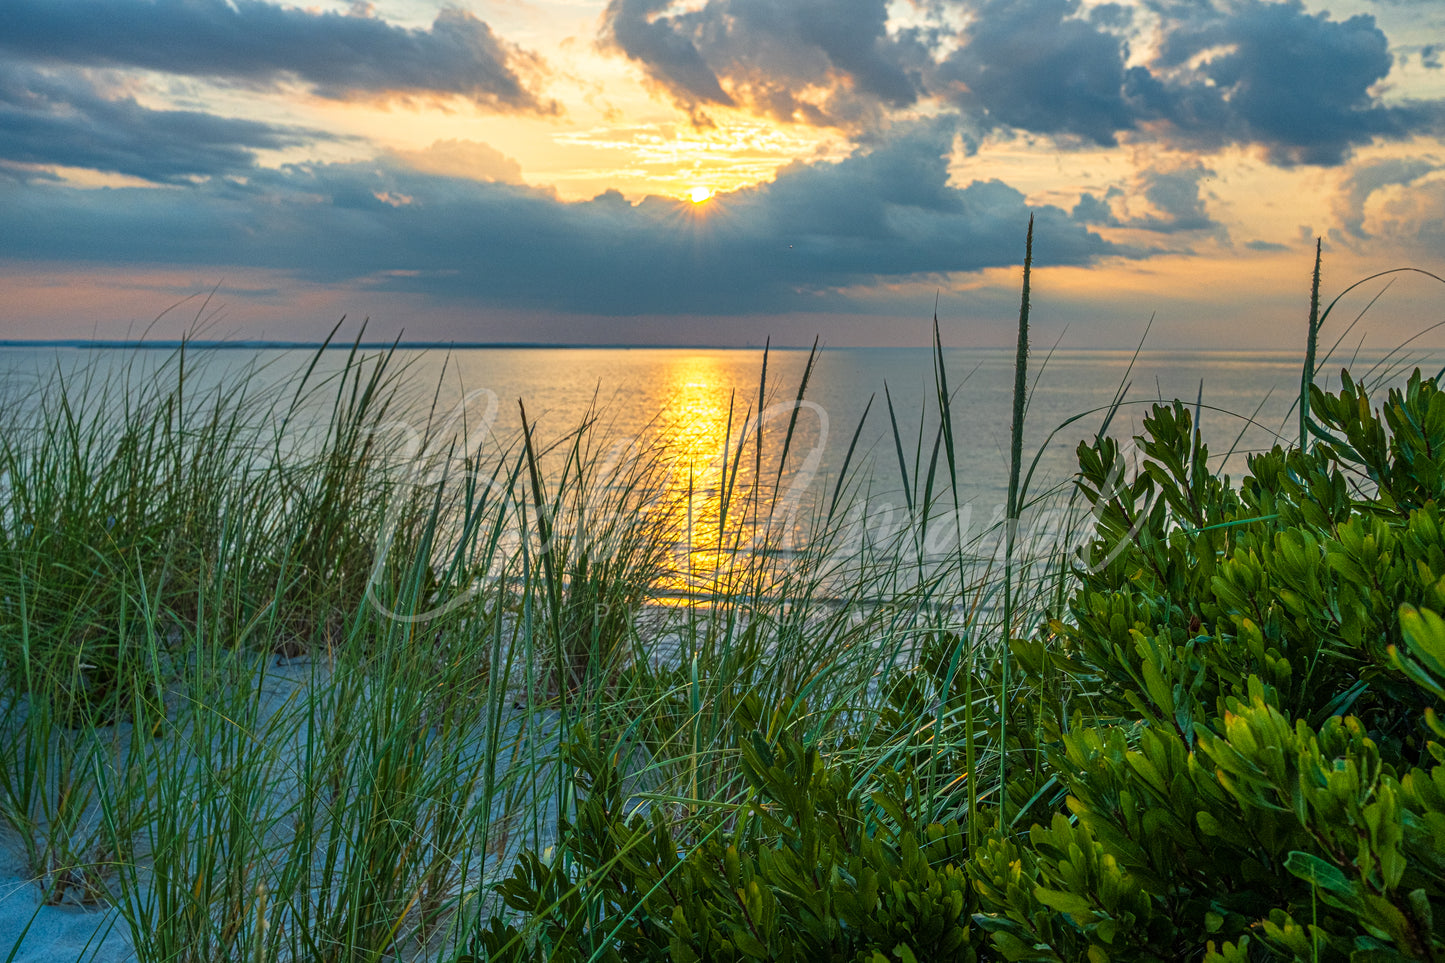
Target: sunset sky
x,y
717,171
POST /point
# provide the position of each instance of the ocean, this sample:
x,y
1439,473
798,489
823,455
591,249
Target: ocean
x,y
700,409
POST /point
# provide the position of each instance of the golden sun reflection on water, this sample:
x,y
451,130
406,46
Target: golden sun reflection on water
x,y
696,452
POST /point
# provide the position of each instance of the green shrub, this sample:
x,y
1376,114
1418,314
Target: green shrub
x,y
1239,714
1252,749
805,869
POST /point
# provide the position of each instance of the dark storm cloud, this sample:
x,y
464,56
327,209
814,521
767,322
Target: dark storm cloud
x,y
826,62
882,215
64,120
1273,74
260,43
662,46
1247,72
1036,65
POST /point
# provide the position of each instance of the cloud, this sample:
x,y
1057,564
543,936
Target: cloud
x,y
1208,74
1175,195
641,30
1416,215
1303,87
1038,65
1171,192
1270,73
65,120
884,214
1096,209
1398,199
822,62
1227,72
249,41
1368,178
461,158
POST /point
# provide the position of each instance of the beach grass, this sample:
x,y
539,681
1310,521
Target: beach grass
x,y
286,681
289,660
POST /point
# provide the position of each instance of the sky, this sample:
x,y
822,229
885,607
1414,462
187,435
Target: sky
x,y
719,171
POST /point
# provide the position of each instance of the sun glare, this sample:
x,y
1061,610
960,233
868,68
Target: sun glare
x,y
699,194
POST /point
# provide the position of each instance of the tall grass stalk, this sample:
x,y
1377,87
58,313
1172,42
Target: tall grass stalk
x,y
1016,441
1310,371
1312,336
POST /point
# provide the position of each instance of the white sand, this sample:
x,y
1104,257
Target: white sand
x,y
52,934
34,933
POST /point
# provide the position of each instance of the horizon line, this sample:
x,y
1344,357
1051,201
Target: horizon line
x,y
268,344
273,344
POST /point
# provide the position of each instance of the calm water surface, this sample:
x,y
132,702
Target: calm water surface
x,y
1247,400
706,402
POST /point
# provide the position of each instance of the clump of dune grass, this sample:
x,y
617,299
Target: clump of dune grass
x,y
288,667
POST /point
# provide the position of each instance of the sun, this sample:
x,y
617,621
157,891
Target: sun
x,y
699,194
